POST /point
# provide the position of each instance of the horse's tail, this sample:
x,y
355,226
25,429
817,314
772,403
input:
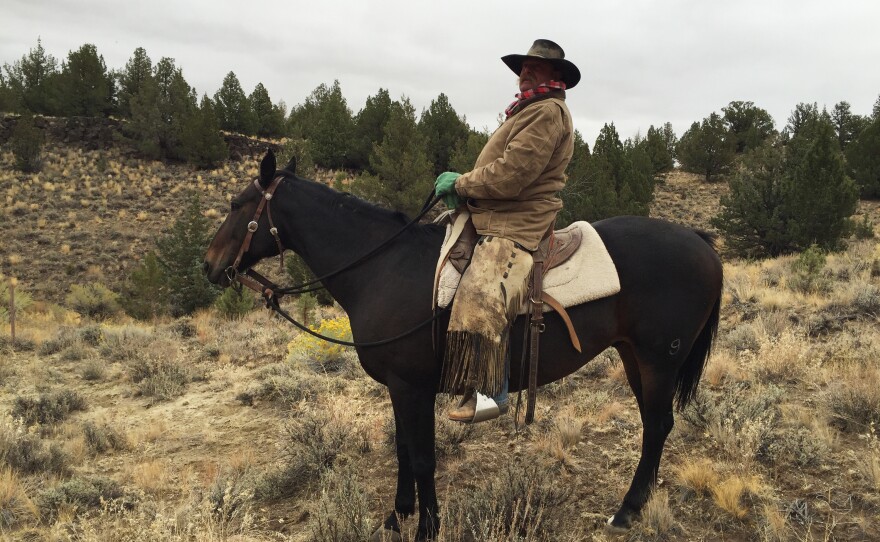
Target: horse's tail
x,y
690,373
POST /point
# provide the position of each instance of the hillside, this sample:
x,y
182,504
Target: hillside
x,y
204,429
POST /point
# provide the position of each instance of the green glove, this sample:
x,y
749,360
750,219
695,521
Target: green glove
x,y
445,186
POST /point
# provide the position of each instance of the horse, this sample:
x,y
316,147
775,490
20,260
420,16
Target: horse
x,y
662,322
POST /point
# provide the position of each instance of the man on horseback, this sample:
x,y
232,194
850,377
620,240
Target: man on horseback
x,y
512,197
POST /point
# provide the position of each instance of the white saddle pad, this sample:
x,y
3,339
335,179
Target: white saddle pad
x,y
587,275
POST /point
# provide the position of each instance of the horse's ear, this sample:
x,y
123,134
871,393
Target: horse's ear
x,y
291,166
267,169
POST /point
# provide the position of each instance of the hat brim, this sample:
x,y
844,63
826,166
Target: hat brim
x,y
571,75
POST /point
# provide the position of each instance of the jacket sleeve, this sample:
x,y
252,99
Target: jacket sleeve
x,y
529,148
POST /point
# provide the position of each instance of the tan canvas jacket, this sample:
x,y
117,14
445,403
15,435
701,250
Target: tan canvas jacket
x,y
513,189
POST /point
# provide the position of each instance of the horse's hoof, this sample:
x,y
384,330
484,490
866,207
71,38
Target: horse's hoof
x,y
386,535
618,525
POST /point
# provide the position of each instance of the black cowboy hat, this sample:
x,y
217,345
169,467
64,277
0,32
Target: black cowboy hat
x,y
551,52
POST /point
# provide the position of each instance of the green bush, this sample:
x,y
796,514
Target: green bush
x,y
808,277
93,300
146,290
235,303
27,144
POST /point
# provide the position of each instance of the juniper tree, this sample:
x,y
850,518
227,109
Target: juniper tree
x,y
138,70
181,251
326,122
847,124
268,117
203,144
442,129
145,292
403,172
749,125
232,107
27,142
707,148
369,125
86,87
466,151
34,80
863,158
655,146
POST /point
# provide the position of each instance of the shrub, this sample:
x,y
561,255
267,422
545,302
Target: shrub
x,y
83,493
146,292
234,302
808,277
321,354
48,409
26,453
23,300
854,404
15,505
93,300
27,144
103,438
343,510
159,378
512,506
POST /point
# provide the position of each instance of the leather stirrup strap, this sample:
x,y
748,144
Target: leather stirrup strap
x,y
536,327
557,306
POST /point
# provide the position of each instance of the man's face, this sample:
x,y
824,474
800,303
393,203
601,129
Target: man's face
x,y
535,72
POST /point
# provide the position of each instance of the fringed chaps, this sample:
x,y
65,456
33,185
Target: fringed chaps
x,y
491,291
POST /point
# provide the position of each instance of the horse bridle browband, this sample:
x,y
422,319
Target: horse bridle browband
x,y
250,278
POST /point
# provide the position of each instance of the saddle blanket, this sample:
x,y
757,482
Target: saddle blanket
x,y
587,275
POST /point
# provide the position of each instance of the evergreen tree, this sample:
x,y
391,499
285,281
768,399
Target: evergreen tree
x,y
8,100
233,107
175,100
464,155
575,193
788,198
821,198
670,138
180,252
875,111
146,126
616,179
268,118
203,144
145,293
27,144
138,70
753,216
707,148
802,115
863,158
847,124
34,80
86,86
326,122
368,128
749,125
404,175
655,146
442,129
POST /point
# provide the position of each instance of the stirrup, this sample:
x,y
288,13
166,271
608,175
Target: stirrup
x,y
487,409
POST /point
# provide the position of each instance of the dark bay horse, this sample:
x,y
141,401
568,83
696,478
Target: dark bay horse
x,y
662,322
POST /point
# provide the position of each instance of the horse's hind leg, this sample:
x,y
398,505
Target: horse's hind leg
x,y
654,387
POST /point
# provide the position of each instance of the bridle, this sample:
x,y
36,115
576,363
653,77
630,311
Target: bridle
x,y
272,293
250,278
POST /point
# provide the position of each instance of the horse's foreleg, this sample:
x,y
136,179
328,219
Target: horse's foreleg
x,y
414,414
405,497
654,388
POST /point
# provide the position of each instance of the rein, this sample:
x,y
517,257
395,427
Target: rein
x,y
272,293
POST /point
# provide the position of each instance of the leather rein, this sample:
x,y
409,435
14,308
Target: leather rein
x,y
272,293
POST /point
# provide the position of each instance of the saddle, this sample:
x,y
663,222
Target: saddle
x,y
575,276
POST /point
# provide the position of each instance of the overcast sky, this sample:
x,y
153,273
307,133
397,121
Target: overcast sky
x,y
642,62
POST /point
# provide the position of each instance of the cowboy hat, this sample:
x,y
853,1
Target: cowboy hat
x,y
551,52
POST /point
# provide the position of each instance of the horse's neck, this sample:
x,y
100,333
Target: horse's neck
x,y
331,235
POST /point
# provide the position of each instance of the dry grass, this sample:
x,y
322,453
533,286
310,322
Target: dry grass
x,y
737,494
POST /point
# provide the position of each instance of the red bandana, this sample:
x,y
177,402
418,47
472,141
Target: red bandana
x,y
523,97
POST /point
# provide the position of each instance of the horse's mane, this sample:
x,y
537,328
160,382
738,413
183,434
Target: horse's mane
x,y
350,201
